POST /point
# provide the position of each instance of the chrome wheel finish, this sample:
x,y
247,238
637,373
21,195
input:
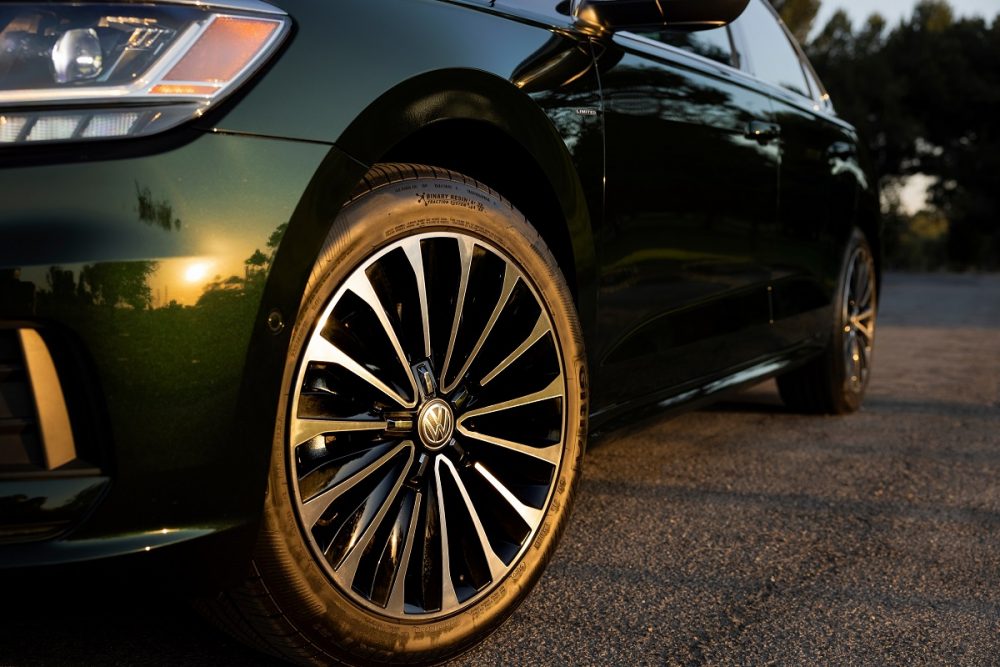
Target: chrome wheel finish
x,y
427,426
858,317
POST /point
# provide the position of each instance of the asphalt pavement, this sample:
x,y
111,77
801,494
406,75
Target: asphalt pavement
x,y
740,534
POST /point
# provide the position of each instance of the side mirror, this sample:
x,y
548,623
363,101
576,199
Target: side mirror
x,y
611,15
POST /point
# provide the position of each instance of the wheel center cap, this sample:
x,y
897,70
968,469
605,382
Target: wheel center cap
x,y
435,424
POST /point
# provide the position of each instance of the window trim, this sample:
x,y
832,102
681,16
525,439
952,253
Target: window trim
x,y
817,103
813,101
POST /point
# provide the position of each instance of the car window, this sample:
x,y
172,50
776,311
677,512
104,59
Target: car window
x,y
772,56
714,44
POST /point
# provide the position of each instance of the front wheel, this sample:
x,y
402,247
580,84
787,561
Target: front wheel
x,y
835,382
431,435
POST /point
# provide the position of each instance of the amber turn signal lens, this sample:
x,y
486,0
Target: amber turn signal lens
x,y
86,70
226,47
182,89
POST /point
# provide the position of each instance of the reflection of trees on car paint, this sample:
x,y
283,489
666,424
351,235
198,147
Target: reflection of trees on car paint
x,y
126,284
116,284
191,354
257,266
154,212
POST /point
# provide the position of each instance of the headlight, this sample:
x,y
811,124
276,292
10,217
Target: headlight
x,y
73,72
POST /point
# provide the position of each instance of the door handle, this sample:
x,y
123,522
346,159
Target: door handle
x,y
763,132
840,150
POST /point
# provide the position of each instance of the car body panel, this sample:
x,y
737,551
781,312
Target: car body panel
x,y
430,65
147,266
683,269
109,234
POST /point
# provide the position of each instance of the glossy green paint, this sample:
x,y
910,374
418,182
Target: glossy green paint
x,y
345,55
682,264
817,210
35,509
432,63
110,234
157,265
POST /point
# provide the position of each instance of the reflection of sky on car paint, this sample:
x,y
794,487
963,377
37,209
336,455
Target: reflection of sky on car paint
x,y
171,281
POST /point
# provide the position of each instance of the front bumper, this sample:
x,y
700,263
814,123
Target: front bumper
x,y
148,269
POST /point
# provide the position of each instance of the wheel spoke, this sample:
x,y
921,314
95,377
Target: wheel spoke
x,y
531,516
553,390
550,454
865,284
857,276
320,349
397,602
864,330
540,329
863,351
510,278
362,287
349,567
449,598
416,259
304,430
853,358
493,561
466,248
866,314
314,508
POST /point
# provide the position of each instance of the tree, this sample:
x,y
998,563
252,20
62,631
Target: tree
x,y
926,97
798,15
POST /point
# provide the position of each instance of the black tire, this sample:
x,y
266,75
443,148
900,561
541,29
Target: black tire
x,y
835,382
296,603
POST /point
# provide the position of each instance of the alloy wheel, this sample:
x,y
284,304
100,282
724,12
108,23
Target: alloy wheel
x,y
428,425
859,320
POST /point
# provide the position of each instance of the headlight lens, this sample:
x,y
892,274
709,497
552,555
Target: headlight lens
x,y
73,72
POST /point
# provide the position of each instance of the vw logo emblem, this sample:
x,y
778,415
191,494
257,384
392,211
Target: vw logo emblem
x,y
436,424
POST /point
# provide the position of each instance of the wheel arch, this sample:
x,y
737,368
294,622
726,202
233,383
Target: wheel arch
x,y
520,179
463,119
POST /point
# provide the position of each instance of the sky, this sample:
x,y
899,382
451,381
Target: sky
x,y
896,10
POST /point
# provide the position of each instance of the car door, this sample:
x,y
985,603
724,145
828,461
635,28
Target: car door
x,y
818,184
689,209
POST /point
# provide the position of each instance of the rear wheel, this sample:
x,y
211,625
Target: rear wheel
x,y
434,420
835,382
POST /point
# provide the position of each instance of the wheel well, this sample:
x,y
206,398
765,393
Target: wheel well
x,y
517,176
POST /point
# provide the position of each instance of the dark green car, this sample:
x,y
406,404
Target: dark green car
x,y
309,305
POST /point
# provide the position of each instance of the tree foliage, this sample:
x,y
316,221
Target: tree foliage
x,y
798,15
925,96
